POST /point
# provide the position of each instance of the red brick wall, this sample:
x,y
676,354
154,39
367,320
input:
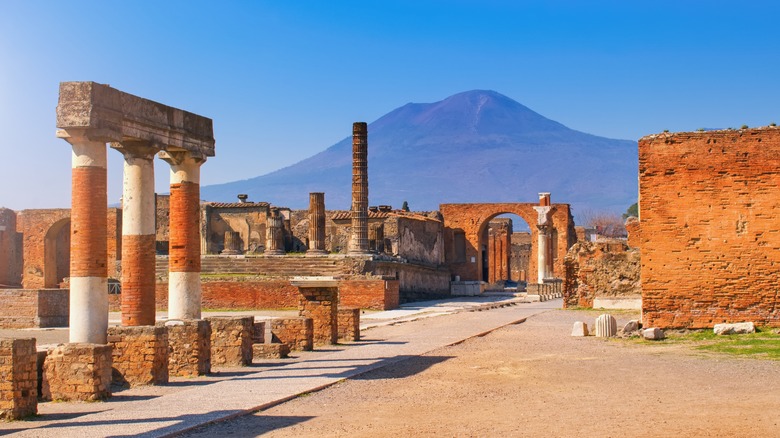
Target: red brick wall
x,y
369,294
10,257
710,219
89,211
184,246
25,308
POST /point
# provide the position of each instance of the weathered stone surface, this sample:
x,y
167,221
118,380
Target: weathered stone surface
x,y
18,378
631,326
349,324
231,340
606,326
321,305
579,329
653,334
605,269
77,372
139,355
296,332
270,351
739,328
189,347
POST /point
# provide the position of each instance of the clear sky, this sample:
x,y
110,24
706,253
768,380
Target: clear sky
x,y
286,79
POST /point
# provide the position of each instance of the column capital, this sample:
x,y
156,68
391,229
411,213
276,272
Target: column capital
x,y
178,158
136,148
543,215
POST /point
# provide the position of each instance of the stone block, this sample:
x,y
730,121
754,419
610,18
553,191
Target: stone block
x,y
653,334
321,305
296,332
349,324
189,347
606,326
77,372
631,326
18,378
579,329
270,351
739,328
231,340
139,355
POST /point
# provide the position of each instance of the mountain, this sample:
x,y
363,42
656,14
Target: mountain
x,y
476,146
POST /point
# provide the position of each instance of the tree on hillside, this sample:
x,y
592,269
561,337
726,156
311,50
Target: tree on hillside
x,y
405,207
607,224
633,211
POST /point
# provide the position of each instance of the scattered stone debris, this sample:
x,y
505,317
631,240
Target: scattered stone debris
x,y
653,334
631,326
606,326
739,328
580,329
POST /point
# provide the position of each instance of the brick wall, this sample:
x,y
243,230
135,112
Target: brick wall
x,y
10,250
349,324
369,294
19,383
297,332
634,233
27,308
139,355
710,227
321,305
604,269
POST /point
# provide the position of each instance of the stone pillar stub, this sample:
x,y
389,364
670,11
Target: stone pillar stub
x,y
358,242
274,233
316,224
319,300
184,290
89,224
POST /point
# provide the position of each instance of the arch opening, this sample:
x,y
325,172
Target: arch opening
x,y
56,254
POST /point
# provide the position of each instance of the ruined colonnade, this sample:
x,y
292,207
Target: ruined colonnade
x,y
89,115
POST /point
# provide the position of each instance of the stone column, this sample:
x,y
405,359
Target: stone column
x,y
138,234
358,242
184,293
542,253
316,223
88,254
543,247
274,233
232,243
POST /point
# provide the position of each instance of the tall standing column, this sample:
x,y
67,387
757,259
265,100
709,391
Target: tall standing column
x,y
316,223
358,242
88,256
184,292
542,254
274,233
138,234
543,245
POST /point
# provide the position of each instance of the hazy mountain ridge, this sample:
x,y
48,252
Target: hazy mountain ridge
x,y
476,146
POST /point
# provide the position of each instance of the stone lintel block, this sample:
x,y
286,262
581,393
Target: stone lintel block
x,y
140,355
231,340
19,386
77,372
189,347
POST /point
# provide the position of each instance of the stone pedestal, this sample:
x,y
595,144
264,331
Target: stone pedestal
x,y
139,355
77,372
270,351
316,224
18,378
189,347
296,332
231,340
349,324
319,301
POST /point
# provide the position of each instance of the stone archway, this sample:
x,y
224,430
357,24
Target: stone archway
x,y
464,225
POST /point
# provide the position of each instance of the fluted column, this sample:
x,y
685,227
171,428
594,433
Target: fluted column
x,y
184,292
138,233
541,252
543,245
358,242
274,233
88,254
316,223
232,243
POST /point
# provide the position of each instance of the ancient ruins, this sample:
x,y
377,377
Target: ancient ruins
x,y
701,253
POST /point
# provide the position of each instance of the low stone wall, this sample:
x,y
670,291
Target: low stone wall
x,y
415,282
604,269
77,372
18,378
369,294
297,332
349,324
139,355
28,308
189,347
231,340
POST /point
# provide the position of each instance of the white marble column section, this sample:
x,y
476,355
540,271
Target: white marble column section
x,y
543,227
88,264
184,289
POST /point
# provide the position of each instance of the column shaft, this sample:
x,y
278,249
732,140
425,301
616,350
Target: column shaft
x,y
88,255
541,249
274,233
316,223
358,243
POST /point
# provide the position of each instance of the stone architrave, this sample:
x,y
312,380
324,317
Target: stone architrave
x,y
316,224
358,242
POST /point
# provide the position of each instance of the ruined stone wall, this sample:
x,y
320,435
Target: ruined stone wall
x,y
416,239
369,294
247,219
19,385
10,250
415,282
634,233
28,308
519,258
710,227
604,269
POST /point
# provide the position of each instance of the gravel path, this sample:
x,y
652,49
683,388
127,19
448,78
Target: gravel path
x,y
533,379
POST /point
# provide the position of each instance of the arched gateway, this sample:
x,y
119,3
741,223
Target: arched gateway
x,y
552,228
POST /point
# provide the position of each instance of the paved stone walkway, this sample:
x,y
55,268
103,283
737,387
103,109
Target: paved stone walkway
x,y
187,403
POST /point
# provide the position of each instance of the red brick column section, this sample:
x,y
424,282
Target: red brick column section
x,y
184,291
88,253
138,234
358,242
316,223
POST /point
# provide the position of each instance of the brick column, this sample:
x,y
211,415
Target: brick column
x,y
316,223
274,233
138,234
88,228
358,242
184,292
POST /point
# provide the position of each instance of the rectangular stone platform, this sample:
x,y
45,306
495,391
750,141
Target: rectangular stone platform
x,y
231,340
189,343
139,355
77,372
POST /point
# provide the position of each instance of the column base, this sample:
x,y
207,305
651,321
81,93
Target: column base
x,y
140,355
19,388
189,345
231,340
77,372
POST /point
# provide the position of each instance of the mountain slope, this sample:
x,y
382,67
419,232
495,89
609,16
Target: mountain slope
x,y
476,146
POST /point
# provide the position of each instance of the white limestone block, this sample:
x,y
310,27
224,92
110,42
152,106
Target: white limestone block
x,y
579,329
606,326
739,328
653,334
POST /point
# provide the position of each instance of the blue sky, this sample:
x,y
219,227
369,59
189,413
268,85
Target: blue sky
x,y
286,79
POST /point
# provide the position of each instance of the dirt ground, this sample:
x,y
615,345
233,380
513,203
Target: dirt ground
x,y
534,379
